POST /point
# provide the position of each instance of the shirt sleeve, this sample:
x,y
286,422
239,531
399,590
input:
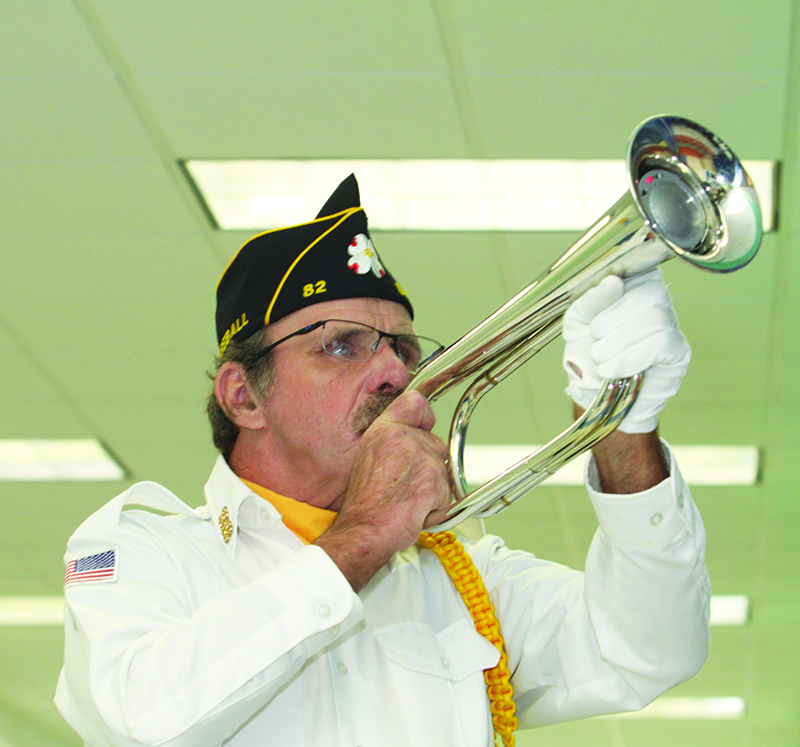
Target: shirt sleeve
x,y
144,664
618,635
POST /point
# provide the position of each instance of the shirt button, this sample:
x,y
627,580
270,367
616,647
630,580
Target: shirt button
x,y
342,668
656,519
324,611
445,662
680,501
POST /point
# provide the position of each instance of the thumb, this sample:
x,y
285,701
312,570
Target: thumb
x,y
410,408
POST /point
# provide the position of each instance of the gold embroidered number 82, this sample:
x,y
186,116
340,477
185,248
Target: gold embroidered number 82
x,y
309,289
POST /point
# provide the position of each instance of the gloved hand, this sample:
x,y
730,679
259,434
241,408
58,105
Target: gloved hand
x,y
620,328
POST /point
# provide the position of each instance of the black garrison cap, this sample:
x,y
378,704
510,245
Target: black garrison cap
x,y
280,271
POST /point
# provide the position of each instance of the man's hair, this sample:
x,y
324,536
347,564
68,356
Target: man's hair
x,y
258,374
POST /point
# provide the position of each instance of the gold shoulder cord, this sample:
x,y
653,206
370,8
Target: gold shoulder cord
x,y
467,580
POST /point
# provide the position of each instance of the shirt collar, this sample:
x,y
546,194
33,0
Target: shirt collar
x,y
225,490
306,521
231,504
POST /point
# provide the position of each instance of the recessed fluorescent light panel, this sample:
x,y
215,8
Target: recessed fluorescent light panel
x,y
731,609
725,610
31,611
699,465
430,195
690,709
67,459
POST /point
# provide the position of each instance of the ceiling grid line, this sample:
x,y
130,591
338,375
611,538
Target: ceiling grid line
x,y
147,120
465,107
458,77
466,112
54,383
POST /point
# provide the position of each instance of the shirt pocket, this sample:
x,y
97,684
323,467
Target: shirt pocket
x,y
438,678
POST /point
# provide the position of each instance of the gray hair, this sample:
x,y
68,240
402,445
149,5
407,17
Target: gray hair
x,y
258,373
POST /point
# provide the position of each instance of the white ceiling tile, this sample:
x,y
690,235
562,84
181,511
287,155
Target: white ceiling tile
x,y
244,116
685,37
98,292
31,403
55,120
84,196
713,421
591,114
260,39
42,37
143,434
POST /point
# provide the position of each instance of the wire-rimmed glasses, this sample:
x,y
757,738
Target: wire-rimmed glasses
x,y
354,341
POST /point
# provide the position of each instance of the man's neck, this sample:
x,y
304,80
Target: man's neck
x,y
258,464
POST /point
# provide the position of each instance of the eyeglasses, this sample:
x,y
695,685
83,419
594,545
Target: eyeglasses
x,y
353,341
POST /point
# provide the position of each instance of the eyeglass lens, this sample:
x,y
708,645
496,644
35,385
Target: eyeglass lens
x,y
357,342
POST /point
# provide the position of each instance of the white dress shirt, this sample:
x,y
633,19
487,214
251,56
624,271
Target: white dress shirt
x,y
262,641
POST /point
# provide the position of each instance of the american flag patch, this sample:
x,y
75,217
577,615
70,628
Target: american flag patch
x,y
92,569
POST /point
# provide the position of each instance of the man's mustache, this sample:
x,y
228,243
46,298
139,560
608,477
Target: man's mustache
x,y
368,412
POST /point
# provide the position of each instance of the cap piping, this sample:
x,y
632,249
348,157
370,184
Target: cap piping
x,y
283,228
345,215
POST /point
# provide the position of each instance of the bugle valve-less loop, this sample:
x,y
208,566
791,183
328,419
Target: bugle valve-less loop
x,y
688,196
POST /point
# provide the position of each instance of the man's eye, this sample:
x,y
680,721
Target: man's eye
x,y
340,349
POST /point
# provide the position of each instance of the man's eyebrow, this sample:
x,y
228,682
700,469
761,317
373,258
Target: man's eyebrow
x,y
409,330
411,340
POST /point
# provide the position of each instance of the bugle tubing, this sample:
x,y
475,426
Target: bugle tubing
x,y
688,196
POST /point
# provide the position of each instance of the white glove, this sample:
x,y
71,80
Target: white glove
x,y
620,328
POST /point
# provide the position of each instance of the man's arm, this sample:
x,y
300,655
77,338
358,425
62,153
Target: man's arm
x,y
615,330
164,656
635,623
618,635
628,462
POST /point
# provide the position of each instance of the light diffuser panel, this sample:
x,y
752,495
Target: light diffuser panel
x,y
31,611
49,610
731,609
429,195
690,709
51,460
699,465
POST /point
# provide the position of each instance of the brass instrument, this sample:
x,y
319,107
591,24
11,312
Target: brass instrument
x,y
689,196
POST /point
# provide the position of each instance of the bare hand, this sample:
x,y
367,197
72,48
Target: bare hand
x,y
398,485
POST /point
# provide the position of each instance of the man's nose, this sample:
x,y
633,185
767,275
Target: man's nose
x,y
389,371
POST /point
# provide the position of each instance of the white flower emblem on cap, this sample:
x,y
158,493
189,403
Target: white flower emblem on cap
x,y
363,256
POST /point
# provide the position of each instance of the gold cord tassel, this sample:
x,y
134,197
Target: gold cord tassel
x,y
468,582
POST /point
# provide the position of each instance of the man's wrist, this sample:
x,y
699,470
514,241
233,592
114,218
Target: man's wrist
x,y
350,548
629,462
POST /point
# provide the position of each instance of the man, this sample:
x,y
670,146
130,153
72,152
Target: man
x,y
295,608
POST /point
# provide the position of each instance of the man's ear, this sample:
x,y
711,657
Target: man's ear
x,y
236,398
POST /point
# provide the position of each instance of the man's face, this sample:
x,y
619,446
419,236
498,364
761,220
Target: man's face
x,y
318,407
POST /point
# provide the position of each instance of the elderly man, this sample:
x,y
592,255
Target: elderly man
x,y
296,606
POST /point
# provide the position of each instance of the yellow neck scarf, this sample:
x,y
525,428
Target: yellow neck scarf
x,y
307,522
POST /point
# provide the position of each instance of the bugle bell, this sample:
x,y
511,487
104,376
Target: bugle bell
x,y
688,196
